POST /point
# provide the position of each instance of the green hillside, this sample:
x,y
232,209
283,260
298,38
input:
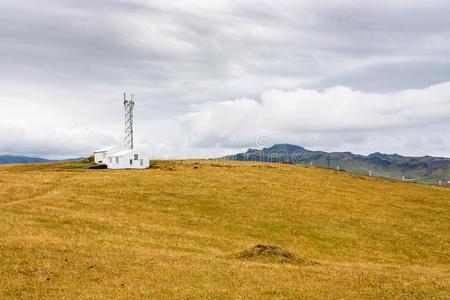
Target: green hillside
x,y
190,230
426,169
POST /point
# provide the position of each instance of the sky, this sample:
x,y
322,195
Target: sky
x,y
218,77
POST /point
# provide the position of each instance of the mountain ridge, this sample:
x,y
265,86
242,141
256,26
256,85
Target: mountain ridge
x,y
427,169
20,159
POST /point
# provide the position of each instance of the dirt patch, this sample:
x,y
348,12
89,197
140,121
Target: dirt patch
x,y
222,166
271,253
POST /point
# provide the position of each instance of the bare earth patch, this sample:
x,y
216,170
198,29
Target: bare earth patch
x,y
271,253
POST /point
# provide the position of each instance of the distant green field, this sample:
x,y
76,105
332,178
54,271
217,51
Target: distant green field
x,y
189,230
425,169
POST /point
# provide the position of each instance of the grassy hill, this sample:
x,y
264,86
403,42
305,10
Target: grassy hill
x,y
189,230
425,169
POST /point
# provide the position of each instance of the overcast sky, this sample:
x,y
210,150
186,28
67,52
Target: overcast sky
x,y
216,77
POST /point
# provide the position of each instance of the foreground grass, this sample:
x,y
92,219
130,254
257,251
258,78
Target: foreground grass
x,y
172,231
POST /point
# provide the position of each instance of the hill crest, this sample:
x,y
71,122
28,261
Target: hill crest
x,y
421,169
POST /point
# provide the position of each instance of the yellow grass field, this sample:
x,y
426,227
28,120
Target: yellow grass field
x,y
176,231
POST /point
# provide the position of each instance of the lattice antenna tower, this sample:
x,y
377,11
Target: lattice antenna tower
x,y
129,105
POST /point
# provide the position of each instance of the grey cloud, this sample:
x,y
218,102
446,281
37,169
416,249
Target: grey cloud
x,y
337,116
72,59
50,143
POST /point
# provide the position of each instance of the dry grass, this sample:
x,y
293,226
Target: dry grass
x,y
169,232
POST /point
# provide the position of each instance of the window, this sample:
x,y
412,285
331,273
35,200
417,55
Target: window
x,y
131,161
117,160
110,160
142,162
136,157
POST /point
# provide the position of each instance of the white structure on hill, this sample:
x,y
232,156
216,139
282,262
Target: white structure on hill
x,y
124,157
128,159
100,154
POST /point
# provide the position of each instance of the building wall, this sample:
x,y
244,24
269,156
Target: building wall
x,y
100,157
123,162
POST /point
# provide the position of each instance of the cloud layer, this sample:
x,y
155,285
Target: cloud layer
x,y
335,118
330,75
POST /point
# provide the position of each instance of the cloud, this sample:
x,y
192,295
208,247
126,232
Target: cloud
x,y
51,143
66,63
411,122
335,117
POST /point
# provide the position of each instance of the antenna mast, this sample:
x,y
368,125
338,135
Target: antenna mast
x,y
128,104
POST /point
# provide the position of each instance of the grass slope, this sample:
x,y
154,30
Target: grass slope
x,y
426,169
176,231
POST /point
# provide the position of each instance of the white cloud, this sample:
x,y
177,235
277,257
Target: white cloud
x,y
334,118
411,122
51,143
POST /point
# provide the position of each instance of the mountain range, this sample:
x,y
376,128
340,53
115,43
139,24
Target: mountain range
x,y
15,159
426,169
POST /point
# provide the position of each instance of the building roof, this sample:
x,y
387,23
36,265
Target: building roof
x,y
105,149
123,152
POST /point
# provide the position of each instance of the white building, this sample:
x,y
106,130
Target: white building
x,y
127,159
124,157
100,154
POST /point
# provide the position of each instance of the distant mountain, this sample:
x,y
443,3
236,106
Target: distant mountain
x,y
422,169
14,159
